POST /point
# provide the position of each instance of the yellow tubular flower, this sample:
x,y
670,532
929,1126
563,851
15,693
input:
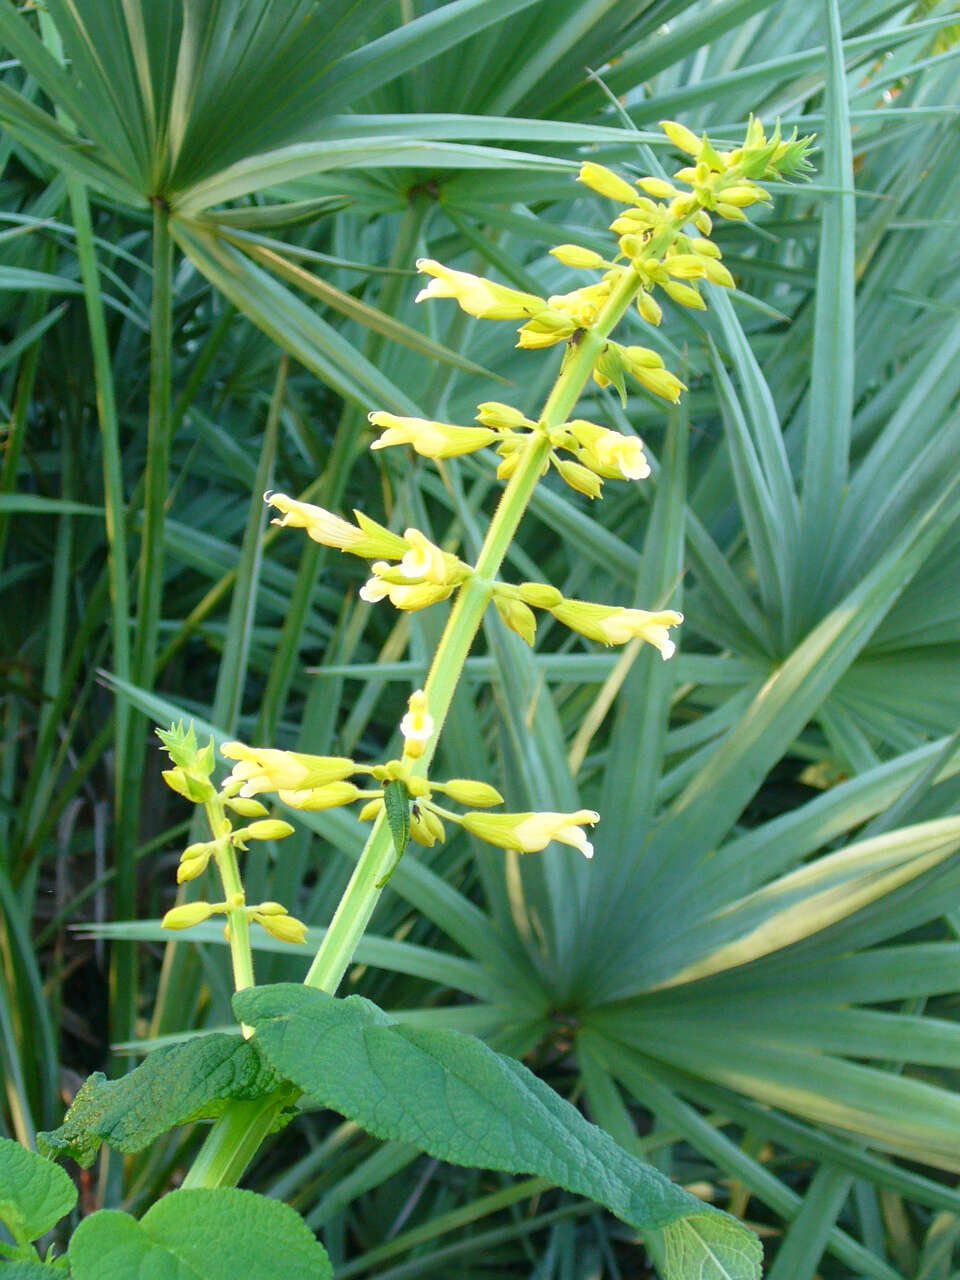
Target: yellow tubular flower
x,y
424,561
478,297
367,538
417,725
322,526
313,799
532,832
430,439
609,624
622,456
262,769
409,599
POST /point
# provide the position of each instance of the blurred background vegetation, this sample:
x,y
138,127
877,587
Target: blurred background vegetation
x,y
208,221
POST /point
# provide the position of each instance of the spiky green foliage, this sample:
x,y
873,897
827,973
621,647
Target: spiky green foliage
x,y
756,972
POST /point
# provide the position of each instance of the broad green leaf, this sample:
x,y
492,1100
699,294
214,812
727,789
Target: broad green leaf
x,y
200,1234
709,1248
459,1101
174,1086
28,1271
34,1193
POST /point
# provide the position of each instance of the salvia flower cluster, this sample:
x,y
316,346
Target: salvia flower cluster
x,y
663,247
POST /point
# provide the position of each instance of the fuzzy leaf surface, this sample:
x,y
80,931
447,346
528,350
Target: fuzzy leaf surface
x,y
174,1086
458,1100
200,1234
34,1194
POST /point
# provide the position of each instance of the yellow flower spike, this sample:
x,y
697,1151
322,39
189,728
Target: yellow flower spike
x,y
575,255
517,616
478,795
610,624
268,769
606,183
424,561
189,914
478,297
532,832
416,726
503,416
430,439
314,799
682,137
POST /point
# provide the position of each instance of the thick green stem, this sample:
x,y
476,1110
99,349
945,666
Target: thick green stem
x,y
235,1138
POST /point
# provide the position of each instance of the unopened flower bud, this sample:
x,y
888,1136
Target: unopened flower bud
x,y
494,414
540,595
268,829
574,255
187,915
284,928
606,183
247,808
517,616
649,308
682,137
430,439
657,188
580,478
478,297
685,294
478,795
